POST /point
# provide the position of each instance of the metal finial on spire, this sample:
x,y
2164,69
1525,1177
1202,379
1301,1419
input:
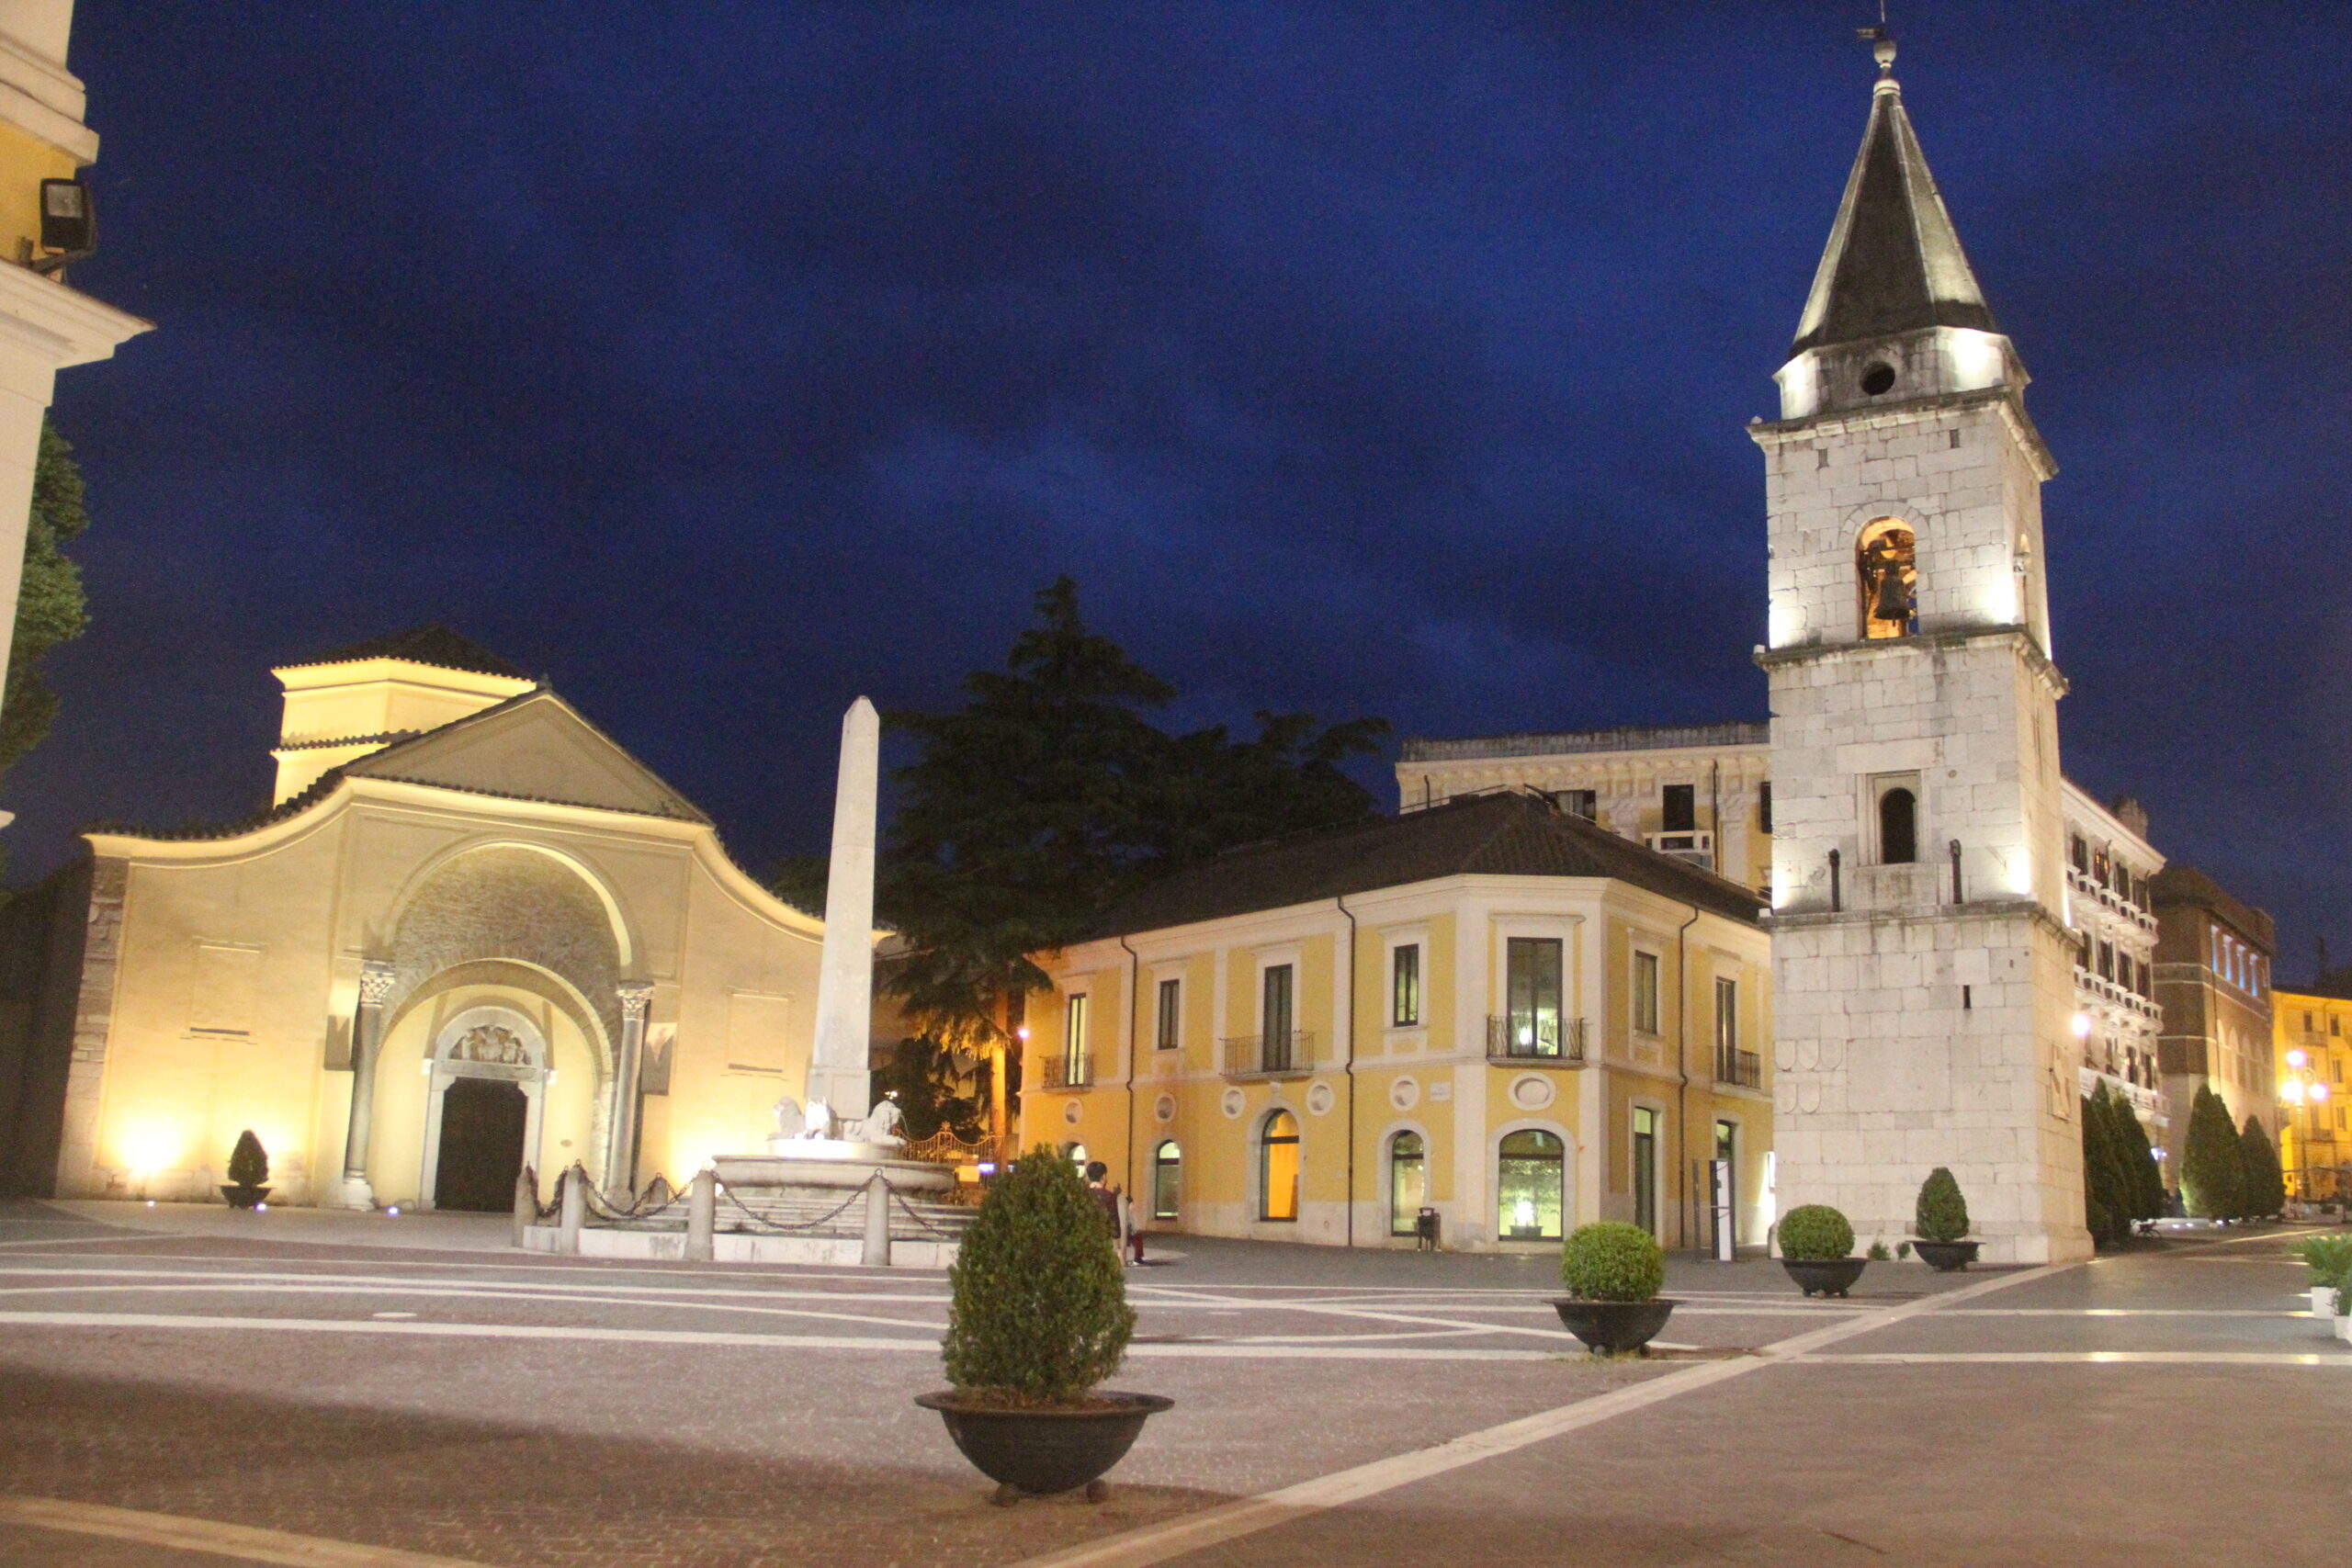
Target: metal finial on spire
x,y
1881,44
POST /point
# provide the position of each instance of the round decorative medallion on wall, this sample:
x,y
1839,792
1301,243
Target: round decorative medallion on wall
x,y
1233,1102
1165,1108
1319,1098
1072,1110
1531,1091
1403,1094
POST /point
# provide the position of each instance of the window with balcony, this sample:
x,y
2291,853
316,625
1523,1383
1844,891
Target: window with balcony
x,y
1679,809
1077,1066
1405,985
1533,983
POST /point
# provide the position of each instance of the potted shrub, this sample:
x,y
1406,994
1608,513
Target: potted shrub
x,y
1614,1272
1941,1220
2329,1257
1037,1317
248,1173
1816,1248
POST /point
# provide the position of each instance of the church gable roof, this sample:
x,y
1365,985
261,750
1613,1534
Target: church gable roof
x,y
431,643
532,747
1509,833
1894,263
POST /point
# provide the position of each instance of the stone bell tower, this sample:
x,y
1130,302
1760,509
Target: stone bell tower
x,y
1921,968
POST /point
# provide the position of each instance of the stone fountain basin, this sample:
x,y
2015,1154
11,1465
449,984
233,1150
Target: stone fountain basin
x,y
832,1163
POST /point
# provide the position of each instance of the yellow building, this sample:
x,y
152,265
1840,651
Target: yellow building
x,y
2312,1040
1492,1009
535,950
43,146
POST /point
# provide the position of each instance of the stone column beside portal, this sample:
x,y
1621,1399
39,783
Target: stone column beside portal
x,y
367,1035
621,1165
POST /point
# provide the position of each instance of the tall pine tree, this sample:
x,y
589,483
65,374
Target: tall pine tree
x,y
2262,1192
2211,1166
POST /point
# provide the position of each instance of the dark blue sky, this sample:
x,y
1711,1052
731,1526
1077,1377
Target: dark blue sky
x,y
725,362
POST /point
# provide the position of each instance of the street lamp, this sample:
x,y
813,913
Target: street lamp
x,y
2302,1086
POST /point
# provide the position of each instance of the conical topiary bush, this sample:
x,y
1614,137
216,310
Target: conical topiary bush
x,y
248,1171
1039,1313
2210,1167
1941,1214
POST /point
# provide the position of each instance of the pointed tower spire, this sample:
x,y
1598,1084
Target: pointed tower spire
x,y
1894,262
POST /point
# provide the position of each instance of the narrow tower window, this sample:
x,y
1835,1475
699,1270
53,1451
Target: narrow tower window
x,y
1898,827
1887,570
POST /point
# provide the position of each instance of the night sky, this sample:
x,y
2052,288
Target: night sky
x,y
726,362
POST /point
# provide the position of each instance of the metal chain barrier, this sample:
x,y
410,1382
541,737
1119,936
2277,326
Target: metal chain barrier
x,y
779,1227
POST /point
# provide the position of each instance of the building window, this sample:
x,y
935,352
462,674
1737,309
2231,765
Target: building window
x,y
1529,1171
1171,1013
2335,1025
2078,854
1275,1017
1764,807
1886,567
2107,961
1532,979
1166,1172
1898,825
1681,809
1584,803
1074,1061
1278,1168
1645,993
1726,1023
1405,985
1409,1183
1646,1144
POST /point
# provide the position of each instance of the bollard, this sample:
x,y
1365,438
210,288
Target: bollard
x,y
878,1224
526,1205
575,1210
701,1215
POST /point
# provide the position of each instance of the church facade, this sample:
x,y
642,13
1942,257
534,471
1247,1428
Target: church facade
x,y
472,933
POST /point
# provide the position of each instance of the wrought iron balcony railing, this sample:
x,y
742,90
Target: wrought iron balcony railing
x,y
1536,1041
1290,1056
1745,1068
1069,1072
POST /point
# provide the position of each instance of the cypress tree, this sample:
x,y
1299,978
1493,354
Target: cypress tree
x,y
2140,1158
2263,1192
2210,1168
2103,1211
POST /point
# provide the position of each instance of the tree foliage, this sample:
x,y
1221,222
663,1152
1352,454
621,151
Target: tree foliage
x,y
922,1074
1037,1311
1815,1233
1048,794
248,1162
52,607
1611,1261
2147,1179
2109,1194
2262,1190
2212,1166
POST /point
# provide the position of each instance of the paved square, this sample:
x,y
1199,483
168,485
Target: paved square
x,y
409,1384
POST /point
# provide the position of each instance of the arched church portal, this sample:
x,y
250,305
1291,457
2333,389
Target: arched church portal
x,y
1886,575
484,1106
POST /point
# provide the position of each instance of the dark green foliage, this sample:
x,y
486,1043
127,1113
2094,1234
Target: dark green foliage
x,y
1048,794
2262,1190
2210,1167
2108,1187
1878,1254
2100,1222
1941,1214
1815,1233
52,608
2329,1257
248,1162
1038,1311
922,1074
1609,1261
2146,1177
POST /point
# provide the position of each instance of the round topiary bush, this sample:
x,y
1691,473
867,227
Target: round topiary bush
x,y
1038,1311
1815,1233
1942,1213
1609,1261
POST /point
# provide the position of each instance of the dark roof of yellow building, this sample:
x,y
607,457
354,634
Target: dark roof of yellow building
x,y
1506,833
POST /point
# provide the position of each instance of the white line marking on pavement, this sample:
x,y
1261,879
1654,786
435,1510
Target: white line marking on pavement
x,y
2084,1357
242,1541
571,1297
2131,1312
1193,1532
76,1240
927,1344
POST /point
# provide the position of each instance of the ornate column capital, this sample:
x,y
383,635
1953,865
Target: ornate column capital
x,y
376,977
636,996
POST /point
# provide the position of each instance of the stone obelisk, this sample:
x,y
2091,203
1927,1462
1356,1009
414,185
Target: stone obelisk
x,y
838,1074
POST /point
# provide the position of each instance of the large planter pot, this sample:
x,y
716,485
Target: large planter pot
x,y
2323,1301
244,1194
1611,1328
1946,1257
2343,1328
1040,1452
1825,1276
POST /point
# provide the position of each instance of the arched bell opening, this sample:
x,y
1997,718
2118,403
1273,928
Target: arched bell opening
x,y
1886,575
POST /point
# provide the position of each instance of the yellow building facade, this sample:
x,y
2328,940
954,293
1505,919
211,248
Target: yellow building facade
x,y
2312,1044
1493,1009
481,936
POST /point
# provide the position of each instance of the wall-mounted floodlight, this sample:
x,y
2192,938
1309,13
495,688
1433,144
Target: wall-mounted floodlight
x,y
69,224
